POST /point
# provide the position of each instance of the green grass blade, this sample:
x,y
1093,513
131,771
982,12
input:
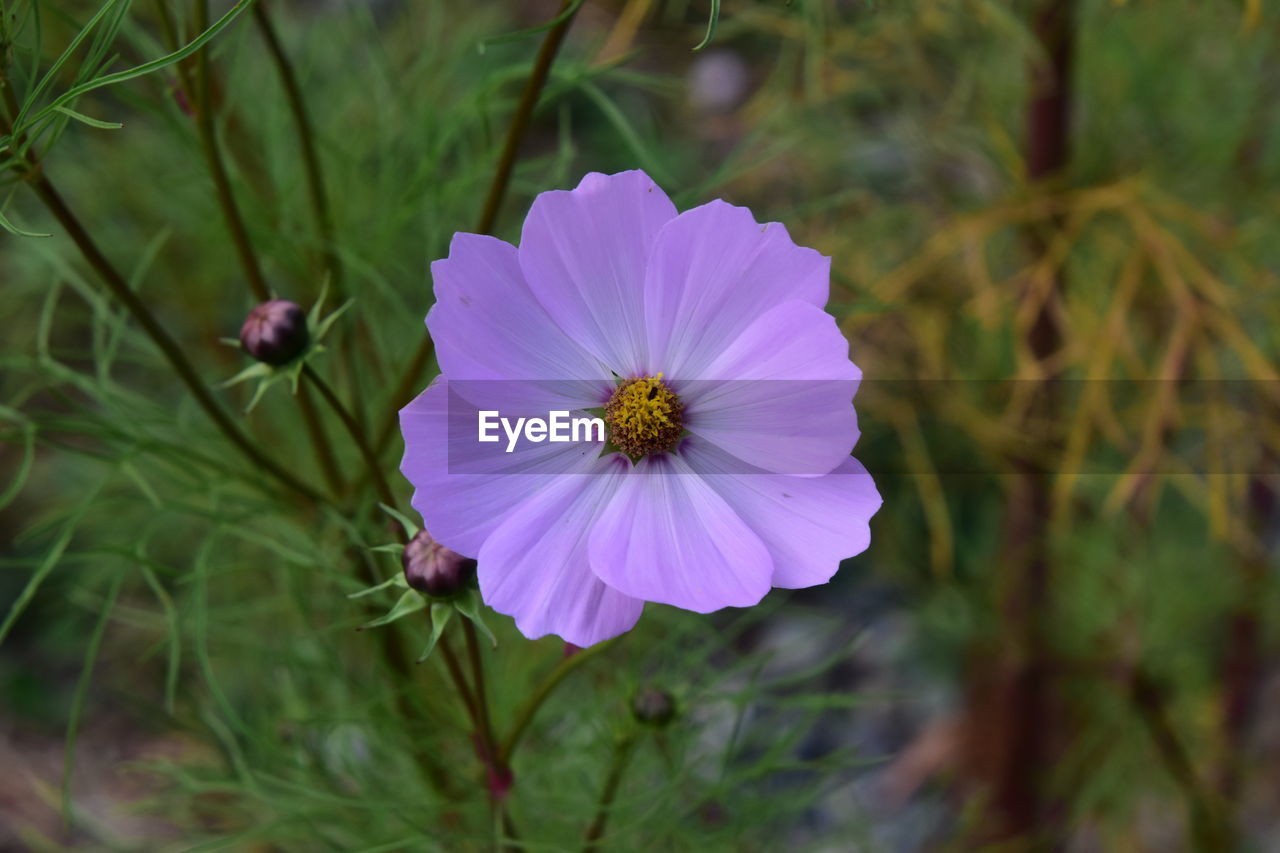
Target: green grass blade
x,y
82,690
50,561
92,122
146,67
712,20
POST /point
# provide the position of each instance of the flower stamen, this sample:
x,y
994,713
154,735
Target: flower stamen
x,y
644,416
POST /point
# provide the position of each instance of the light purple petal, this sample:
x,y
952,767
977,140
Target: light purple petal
x,y
487,326
668,537
782,393
464,489
714,270
809,524
583,253
535,567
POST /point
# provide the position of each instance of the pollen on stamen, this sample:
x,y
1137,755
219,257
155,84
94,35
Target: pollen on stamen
x,y
644,416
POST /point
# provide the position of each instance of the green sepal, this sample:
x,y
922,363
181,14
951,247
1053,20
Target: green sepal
x,y
322,327
468,604
318,327
440,613
395,580
257,394
410,529
253,371
410,602
259,370
389,548
293,370
313,316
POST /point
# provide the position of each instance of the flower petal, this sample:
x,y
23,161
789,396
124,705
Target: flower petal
x,y
464,489
782,393
583,253
535,567
487,326
668,537
809,524
714,269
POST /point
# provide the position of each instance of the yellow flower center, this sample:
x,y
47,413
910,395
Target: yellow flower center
x,y
644,416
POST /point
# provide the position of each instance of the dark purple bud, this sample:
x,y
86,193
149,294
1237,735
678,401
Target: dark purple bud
x,y
653,706
275,332
433,569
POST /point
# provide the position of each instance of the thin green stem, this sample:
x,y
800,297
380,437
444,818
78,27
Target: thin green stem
x,y
622,751
477,676
199,89
306,144
320,442
320,209
524,112
459,680
357,435
509,832
401,396
498,772
478,712
530,708
493,201
393,654
203,93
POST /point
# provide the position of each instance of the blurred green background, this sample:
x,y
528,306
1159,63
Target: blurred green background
x,y
1054,238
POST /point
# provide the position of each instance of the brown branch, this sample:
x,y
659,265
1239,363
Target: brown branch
x,y
1012,691
1243,662
1210,830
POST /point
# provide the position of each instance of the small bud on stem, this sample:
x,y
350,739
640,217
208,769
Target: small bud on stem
x,y
433,569
275,332
653,706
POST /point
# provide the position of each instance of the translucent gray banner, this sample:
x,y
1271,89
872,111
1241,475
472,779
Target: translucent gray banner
x,y
948,427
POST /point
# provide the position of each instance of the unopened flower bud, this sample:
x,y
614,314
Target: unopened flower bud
x,y
433,569
275,332
653,706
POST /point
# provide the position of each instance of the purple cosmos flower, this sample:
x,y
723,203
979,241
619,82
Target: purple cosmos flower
x,y
700,338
